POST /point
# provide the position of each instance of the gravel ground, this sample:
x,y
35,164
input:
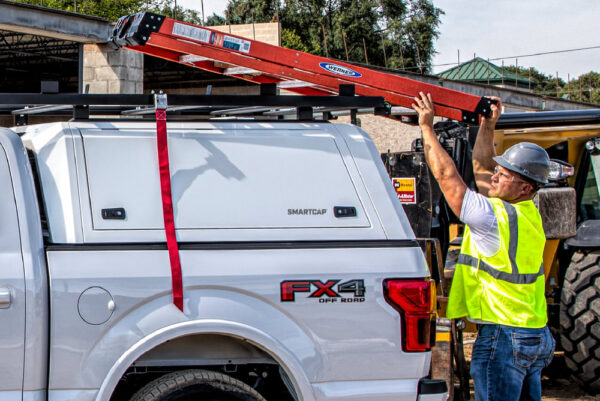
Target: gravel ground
x,y
556,385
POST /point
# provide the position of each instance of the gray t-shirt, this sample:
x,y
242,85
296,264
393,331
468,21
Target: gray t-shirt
x,y
477,212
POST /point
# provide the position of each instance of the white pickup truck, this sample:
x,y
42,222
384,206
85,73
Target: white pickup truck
x,y
302,278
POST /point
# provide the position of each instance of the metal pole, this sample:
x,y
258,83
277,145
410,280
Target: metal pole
x,y
488,71
401,53
345,46
418,56
529,78
458,53
383,46
325,41
517,73
569,85
557,94
202,8
474,56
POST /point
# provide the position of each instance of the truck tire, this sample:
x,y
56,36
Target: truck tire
x,y
196,385
580,319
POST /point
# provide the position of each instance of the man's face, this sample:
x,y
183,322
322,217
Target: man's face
x,y
507,185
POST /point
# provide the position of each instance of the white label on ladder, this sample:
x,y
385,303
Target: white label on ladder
x,y
192,32
236,44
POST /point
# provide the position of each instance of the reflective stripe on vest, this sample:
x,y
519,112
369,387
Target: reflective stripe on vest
x,y
514,276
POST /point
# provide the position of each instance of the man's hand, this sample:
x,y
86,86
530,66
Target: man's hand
x,y
484,151
496,112
424,108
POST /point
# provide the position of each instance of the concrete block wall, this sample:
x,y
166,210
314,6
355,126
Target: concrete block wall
x,y
112,71
269,32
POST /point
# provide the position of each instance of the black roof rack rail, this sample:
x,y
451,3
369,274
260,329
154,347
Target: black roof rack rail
x,y
81,106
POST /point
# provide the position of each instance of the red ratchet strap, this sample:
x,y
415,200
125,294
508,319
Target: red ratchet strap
x,y
160,104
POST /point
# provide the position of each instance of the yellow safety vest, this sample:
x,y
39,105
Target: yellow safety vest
x,y
508,287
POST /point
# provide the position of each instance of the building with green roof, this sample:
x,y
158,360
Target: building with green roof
x,y
481,71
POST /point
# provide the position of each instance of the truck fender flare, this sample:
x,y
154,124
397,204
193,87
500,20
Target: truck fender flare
x,y
210,326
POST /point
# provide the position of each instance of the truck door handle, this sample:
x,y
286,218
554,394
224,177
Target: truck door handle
x,y
5,297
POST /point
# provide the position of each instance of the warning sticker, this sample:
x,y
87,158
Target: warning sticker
x,y
236,44
192,32
405,189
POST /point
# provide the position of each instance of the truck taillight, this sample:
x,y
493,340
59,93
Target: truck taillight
x,y
415,300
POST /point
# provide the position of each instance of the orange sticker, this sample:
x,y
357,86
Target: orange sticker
x,y
405,189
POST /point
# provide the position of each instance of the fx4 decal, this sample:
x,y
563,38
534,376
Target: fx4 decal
x,y
325,292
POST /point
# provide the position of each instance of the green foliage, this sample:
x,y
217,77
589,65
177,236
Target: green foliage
x,y
215,19
249,11
542,84
165,7
585,88
292,40
306,18
396,33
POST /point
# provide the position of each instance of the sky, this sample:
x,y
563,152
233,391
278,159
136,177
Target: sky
x,y
507,28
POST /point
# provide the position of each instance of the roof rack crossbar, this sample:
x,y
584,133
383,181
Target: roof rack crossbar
x,y
41,109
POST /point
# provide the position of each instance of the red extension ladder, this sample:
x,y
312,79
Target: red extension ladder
x,y
295,71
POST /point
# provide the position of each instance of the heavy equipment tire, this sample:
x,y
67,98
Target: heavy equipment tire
x,y
196,385
580,319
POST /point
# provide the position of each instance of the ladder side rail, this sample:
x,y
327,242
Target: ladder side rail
x,y
311,63
158,42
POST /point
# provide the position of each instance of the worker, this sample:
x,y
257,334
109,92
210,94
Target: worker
x,y
499,278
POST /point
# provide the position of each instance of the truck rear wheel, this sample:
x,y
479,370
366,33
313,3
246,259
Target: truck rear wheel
x,y
196,385
580,319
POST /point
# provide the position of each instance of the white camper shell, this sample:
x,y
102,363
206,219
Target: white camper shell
x,y
231,181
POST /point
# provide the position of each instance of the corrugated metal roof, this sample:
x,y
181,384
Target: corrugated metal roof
x,y
480,70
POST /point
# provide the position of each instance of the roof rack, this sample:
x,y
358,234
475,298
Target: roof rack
x,y
266,105
295,71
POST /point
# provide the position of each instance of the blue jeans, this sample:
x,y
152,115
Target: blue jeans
x,y
507,362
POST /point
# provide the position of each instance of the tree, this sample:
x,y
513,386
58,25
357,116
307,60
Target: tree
x,y
542,84
396,33
249,11
420,29
585,88
215,19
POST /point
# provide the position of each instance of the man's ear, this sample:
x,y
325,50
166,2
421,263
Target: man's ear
x,y
527,189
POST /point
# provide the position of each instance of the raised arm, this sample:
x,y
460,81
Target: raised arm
x,y
483,165
439,161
